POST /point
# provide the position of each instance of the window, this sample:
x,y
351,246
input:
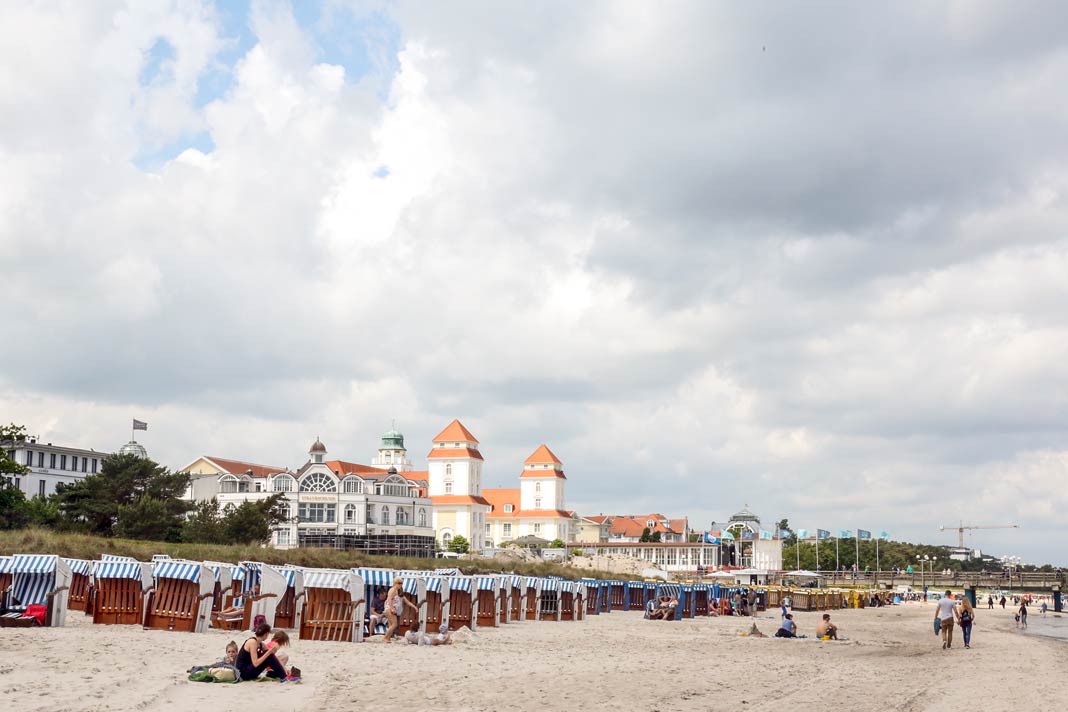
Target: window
x,y
385,515
52,461
318,482
228,484
17,480
350,513
317,512
286,512
448,488
242,484
41,489
422,517
537,487
318,459
507,529
650,523
283,537
40,459
94,465
446,539
402,516
537,528
537,503
448,469
29,458
259,486
395,490
85,464
62,462
509,508
284,483
352,485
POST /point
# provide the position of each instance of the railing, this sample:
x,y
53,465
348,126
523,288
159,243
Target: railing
x,y
933,581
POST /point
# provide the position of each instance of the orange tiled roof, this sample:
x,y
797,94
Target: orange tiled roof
x,y
239,467
448,452
543,456
455,432
498,497
633,525
352,468
598,518
457,499
543,474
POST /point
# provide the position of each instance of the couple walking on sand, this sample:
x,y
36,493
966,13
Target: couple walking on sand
x,y
948,612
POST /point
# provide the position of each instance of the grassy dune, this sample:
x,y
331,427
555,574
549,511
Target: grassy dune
x,y
82,546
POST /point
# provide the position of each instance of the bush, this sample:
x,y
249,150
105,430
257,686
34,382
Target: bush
x,y
557,544
577,552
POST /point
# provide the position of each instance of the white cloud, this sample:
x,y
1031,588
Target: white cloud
x,y
708,257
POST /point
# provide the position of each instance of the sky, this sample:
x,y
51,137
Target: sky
x,y
806,256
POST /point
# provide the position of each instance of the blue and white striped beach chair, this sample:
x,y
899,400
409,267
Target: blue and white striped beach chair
x,y
463,603
288,612
333,606
549,601
37,579
120,590
80,572
487,600
181,597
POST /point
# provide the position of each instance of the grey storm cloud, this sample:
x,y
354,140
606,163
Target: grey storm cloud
x,y
809,257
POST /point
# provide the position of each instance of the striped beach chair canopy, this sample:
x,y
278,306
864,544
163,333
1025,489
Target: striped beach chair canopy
x,y
327,578
530,582
447,572
83,567
118,570
221,571
669,589
486,583
551,584
290,576
5,564
460,583
33,577
116,557
517,581
433,584
181,570
376,577
636,585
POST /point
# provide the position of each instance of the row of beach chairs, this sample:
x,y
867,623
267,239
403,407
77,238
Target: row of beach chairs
x,y
320,604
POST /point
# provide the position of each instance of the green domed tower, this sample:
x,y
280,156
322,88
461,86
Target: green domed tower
x,y
392,453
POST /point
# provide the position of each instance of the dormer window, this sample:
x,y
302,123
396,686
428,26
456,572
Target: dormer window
x,y
650,523
508,508
317,458
456,444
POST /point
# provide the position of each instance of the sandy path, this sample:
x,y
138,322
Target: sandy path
x,y
892,661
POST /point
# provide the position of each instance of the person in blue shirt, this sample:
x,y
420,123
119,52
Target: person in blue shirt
x,y
788,629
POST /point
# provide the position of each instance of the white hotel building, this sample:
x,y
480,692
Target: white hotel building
x,y
49,465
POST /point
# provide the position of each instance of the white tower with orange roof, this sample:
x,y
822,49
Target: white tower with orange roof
x,y
454,473
541,485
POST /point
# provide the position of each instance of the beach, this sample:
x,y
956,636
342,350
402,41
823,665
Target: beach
x,y
892,661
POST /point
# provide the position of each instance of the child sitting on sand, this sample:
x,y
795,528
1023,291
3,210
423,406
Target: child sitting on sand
x,y
227,663
279,640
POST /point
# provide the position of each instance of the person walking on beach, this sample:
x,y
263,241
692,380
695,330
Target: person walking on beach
x,y
1002,601
1023,614
395,603
965,617
946,614
990,601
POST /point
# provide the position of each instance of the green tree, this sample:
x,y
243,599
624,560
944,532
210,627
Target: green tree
x,y
783,525
13,505
645,537
252,522
557,544
126,486
655,537
205,524
42,512
459,545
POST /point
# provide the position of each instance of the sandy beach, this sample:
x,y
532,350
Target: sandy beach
x,y
892,661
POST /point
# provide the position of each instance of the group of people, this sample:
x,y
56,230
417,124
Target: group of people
x,y
950,611
825,630
389,605
256,656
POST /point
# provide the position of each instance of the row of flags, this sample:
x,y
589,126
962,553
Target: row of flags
x,y
803,534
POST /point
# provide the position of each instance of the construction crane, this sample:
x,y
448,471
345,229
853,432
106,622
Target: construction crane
x,y
960,529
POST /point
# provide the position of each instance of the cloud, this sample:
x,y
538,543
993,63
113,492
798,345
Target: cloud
x,y
813,260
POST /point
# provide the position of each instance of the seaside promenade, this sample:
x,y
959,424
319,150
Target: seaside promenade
x,y
892,661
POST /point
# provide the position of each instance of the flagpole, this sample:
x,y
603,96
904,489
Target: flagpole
x,y
797,550
837,564
857,561
877,556
817,550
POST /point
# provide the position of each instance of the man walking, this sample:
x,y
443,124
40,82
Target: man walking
x,y
946,612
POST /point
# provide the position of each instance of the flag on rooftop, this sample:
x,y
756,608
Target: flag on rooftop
x,y
823,534
140,424
863,534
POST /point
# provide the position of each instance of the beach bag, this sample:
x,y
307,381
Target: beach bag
x,y
260,618
937,625
223,674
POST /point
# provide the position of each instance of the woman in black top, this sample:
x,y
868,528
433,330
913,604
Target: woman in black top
x,y
252,660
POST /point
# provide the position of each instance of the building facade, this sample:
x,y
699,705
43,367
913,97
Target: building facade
x,y
454,472
536,508
334,503
629,528
673,556
592,530
49,465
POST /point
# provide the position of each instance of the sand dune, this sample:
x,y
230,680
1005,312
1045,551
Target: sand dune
x,y
892,662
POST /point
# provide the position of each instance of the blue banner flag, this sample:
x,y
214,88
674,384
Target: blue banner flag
x,y
748,535
845,534
802,533
726,535
884,535
784,533
709,539
765,535
863,534
823,534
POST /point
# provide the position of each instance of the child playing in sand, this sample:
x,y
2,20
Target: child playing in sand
x,y
227,663
279,640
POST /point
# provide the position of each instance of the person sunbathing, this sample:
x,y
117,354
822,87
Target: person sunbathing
x,y
236,612
665,609
415,636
